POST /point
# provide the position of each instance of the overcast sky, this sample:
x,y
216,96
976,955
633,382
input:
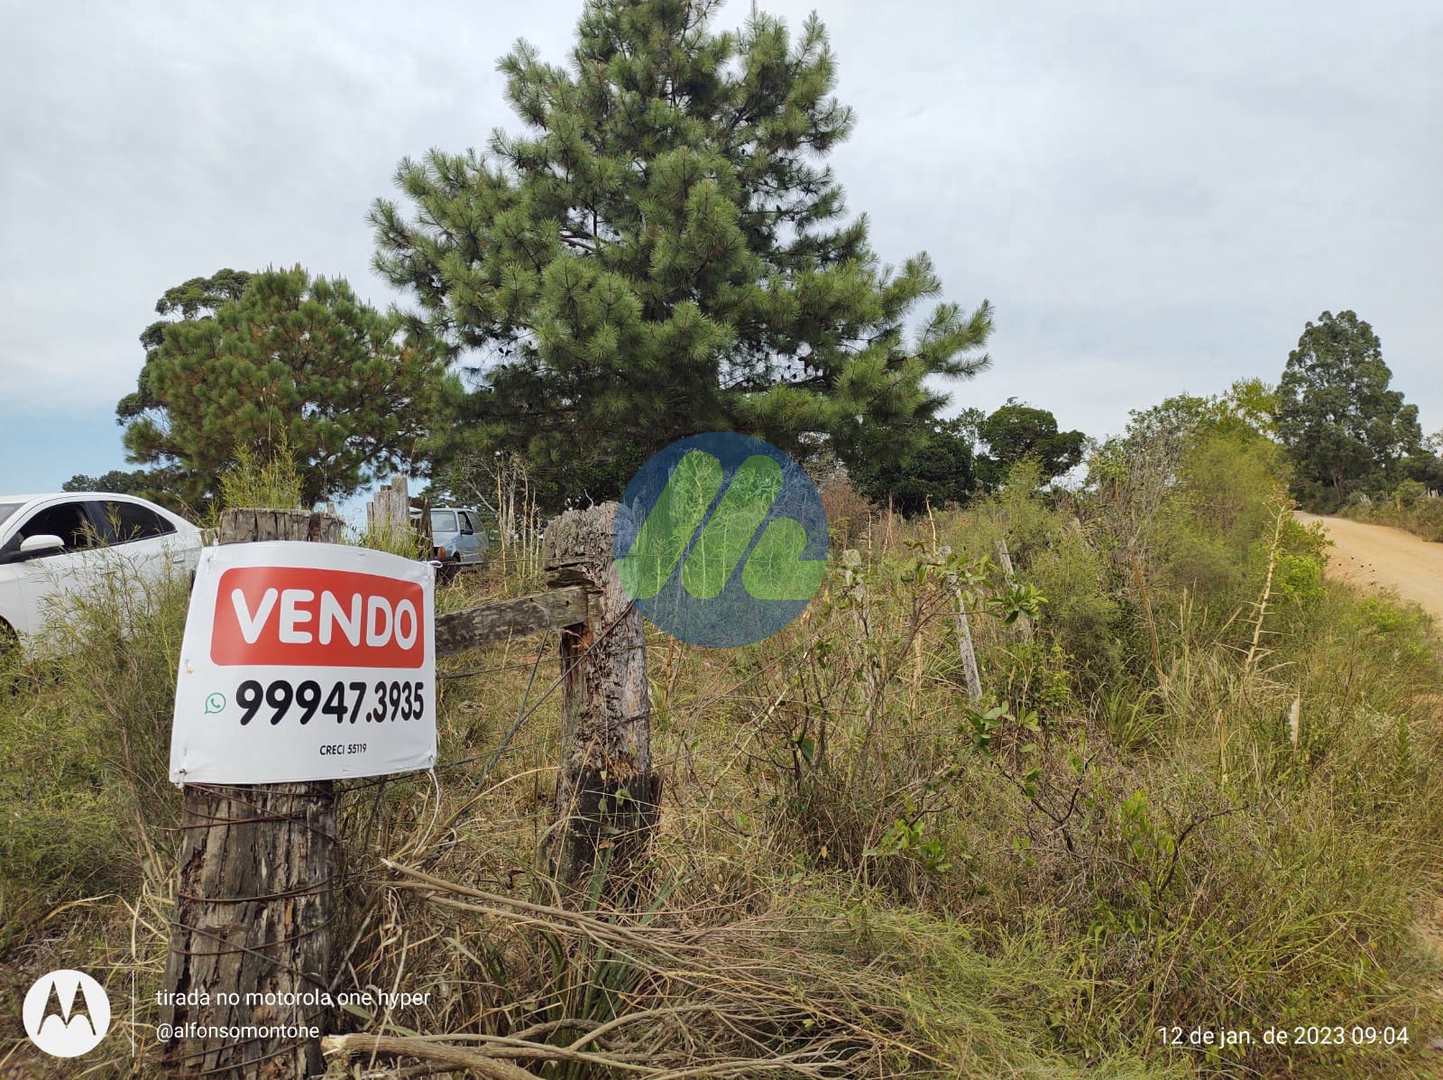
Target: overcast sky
x,y
1155,196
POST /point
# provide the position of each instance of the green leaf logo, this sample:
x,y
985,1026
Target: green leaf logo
x,y
702,509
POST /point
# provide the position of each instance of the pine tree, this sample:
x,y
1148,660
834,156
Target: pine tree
x,y
280,364
1344,429
664,251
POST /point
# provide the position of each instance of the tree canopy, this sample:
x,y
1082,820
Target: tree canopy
x,y
664,250
278,362
1344,428
938,470
157,485
1017,432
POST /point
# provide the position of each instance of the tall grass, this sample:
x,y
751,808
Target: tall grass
x,y
272,483
1206,791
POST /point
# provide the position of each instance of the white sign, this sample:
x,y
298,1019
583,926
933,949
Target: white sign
x,y
305,662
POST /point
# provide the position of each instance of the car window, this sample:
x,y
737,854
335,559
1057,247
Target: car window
x,y
443,521
126,521
6,509
466,527
68,521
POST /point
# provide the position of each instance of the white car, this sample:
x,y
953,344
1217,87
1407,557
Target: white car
x,y
51,545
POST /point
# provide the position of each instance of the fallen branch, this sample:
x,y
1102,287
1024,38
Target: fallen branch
x,y
349,1046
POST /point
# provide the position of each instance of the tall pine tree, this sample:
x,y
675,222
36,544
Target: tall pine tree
x,y
664,250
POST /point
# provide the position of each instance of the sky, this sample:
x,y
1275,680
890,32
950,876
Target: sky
x,y
1155,197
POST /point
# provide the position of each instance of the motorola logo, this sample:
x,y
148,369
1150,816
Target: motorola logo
x,y
66,1013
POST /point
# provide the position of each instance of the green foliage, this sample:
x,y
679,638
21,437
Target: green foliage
x,y
198,298
1406,509
161,486
1018,432
272,483
1344,428
1425,467
1408,493
1215,515
397,540
938,472
1246,409
664,250
288,359
1083,610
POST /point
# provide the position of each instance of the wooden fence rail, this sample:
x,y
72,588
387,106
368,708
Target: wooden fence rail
x,y
498,620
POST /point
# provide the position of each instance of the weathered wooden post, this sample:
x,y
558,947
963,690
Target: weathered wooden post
x,y
255,898
1004,557
967,651
389,511
607,794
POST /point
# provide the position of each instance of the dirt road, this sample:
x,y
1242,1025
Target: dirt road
x,y
1380,557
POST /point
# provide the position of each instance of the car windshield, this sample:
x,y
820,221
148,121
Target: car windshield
x,y
443,521
6,509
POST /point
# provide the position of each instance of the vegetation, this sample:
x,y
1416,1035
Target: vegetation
x,y
966,456
158,485
1412,505
1202,789
272,482
261,360
942,470
1018,432
1344,428
1172,807
665,251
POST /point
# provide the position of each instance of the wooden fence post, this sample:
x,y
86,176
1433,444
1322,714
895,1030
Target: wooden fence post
x,y
607,794
255,905
967,651
389,510
1004,557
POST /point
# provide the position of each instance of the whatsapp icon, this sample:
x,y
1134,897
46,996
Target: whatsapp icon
x,y
721,539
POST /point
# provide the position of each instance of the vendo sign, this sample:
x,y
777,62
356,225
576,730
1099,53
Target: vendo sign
x,y
305,661
287,615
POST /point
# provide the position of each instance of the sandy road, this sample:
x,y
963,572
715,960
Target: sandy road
x,y
1381,557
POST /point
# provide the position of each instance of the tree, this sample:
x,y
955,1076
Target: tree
x,y
1249,408
1344,429
194,299
1018,431
664,251
287,364
157,485
938,470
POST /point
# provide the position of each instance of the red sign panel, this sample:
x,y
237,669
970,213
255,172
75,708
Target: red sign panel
x,y
304,616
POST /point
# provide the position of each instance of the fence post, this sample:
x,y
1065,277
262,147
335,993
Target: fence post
x,y
967,651
389,510
1004,557
255,897
607,794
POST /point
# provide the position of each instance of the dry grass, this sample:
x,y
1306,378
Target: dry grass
x,y
856,874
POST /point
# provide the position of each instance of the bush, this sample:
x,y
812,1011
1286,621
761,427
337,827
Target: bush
x,y
1412,507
